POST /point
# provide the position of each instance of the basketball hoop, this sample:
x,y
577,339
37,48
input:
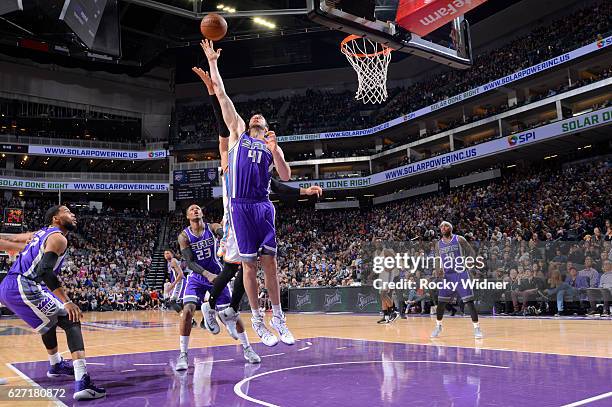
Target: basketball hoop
x,y
371,62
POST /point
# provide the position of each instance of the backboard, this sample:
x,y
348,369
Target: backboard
x,y
359,17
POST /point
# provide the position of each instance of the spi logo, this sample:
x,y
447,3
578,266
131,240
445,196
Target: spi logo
x,y
520,138
604,42
157,154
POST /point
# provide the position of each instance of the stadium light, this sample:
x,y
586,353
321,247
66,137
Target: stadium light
x,y
225,8
264,22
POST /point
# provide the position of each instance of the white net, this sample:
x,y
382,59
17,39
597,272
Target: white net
x,y
371,62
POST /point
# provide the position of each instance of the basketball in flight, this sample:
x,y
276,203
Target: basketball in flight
x,y
213,27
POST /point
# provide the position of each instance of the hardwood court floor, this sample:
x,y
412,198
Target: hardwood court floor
x,y
115,333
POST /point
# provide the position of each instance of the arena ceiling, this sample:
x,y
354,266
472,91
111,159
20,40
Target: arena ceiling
x,y
166,33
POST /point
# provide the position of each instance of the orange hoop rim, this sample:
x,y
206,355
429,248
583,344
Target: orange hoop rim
x,y
386,50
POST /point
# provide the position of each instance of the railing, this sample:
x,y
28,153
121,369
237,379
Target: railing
x,y
48,141
192,165
82,176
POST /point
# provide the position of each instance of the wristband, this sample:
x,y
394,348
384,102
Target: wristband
x,y
68,302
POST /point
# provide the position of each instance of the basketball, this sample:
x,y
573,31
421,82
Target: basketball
x,y
213,27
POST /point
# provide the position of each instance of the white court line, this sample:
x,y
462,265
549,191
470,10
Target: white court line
x,y
306,348
309,343
96,363
238,387
150,364
586,401
33,383
213,361
274,354
437,344
342,347
128,370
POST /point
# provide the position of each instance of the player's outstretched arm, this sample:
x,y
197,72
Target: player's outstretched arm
x,y
17,238
55,246
224,132
234,122
287,192
191,263
283,169
8,245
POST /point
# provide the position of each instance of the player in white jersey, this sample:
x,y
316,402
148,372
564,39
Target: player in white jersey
x,y
177,280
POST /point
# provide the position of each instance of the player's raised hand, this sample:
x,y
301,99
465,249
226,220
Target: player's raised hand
x,y
314,190
270,139
209,50
205,77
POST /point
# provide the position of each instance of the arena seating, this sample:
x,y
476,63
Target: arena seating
x,y
337,111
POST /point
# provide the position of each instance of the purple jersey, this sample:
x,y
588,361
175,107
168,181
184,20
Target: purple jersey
x,y
27,261
250,169
205,249
453,250
450,250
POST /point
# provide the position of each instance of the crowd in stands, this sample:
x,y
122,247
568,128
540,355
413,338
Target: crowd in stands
x,y
108,258
328,111
544,220
197,123
544,229
515,223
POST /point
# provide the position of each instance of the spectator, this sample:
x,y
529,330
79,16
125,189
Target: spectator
x,y
603,290
528,289
590,273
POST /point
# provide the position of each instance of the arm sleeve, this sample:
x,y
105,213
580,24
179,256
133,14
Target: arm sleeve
x,y
219,232
193,266
223,130
45,271
284,191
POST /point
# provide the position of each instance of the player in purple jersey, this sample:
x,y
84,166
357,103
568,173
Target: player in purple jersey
x,y
198,245
253,152
14,243
453,252
231,264
34,293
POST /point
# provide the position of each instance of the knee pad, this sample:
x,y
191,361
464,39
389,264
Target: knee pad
x,y
49,338
73,334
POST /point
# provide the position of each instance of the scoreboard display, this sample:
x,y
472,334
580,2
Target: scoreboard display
x,y
194,184
13,217
13,148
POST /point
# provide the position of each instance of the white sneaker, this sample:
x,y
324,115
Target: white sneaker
x,y
229,318
251,356
182,363
436,332
280,324
259,326
210,319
